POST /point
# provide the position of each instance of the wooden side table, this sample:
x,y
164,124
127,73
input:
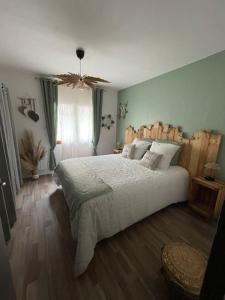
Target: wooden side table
x,y
206,197
117,151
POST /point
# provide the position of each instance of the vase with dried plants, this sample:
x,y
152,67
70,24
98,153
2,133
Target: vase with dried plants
x,y
31,153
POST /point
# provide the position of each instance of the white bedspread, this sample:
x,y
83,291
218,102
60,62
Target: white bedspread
x,y
137,193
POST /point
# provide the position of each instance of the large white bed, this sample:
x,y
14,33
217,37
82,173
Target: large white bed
x,y
136,192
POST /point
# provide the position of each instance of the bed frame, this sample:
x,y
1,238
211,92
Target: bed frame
x,y
202,147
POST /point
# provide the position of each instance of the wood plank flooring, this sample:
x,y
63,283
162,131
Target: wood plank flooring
x,y
126,266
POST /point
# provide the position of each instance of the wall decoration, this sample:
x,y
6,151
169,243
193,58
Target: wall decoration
x,y
123,110
107,121
27,108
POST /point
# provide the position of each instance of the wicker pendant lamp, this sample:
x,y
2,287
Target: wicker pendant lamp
x,y
78,80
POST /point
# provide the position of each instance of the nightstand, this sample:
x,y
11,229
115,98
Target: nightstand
x,y
206,197
117,151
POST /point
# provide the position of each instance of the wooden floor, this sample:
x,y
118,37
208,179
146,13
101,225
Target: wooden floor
x,y
126,266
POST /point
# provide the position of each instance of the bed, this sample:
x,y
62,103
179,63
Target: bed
x,y
137,192
117,193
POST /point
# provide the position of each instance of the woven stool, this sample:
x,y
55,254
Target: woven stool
x,y
184,268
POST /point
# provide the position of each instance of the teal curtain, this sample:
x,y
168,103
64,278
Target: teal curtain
x,y
10,168
11,146
97,98
50,98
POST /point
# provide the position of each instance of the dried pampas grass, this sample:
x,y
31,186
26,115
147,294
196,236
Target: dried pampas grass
x,y
31,154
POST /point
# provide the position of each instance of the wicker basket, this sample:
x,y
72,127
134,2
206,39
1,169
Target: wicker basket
x,y
184,268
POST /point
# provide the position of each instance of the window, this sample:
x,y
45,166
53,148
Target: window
x,y
75,122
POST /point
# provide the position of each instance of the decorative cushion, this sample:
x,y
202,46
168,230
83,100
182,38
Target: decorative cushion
x,y
141,147
167,150
151,160
175,159
128,151
184,266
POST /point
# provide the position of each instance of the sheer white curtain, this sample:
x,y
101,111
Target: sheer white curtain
x,y
75,123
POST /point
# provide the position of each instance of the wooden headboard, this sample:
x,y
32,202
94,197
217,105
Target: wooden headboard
x,y
201,148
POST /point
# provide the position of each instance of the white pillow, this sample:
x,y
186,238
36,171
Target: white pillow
x,y
167,150
128,151
140,148
151,160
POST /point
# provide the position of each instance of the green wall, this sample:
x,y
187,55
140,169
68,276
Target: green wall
x,y
192,97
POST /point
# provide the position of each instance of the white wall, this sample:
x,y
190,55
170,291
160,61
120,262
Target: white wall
x,y
24,84
107,139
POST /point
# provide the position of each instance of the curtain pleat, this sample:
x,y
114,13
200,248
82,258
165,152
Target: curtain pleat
x,y
7,197
9,139
10,168
19,174
97,98
50,98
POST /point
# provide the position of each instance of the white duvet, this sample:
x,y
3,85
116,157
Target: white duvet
x,y
137,192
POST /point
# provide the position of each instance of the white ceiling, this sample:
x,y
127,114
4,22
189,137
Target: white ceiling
x,y
126,41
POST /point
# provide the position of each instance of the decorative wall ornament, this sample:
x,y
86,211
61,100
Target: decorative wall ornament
x,y
107,121
123,110
27,108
